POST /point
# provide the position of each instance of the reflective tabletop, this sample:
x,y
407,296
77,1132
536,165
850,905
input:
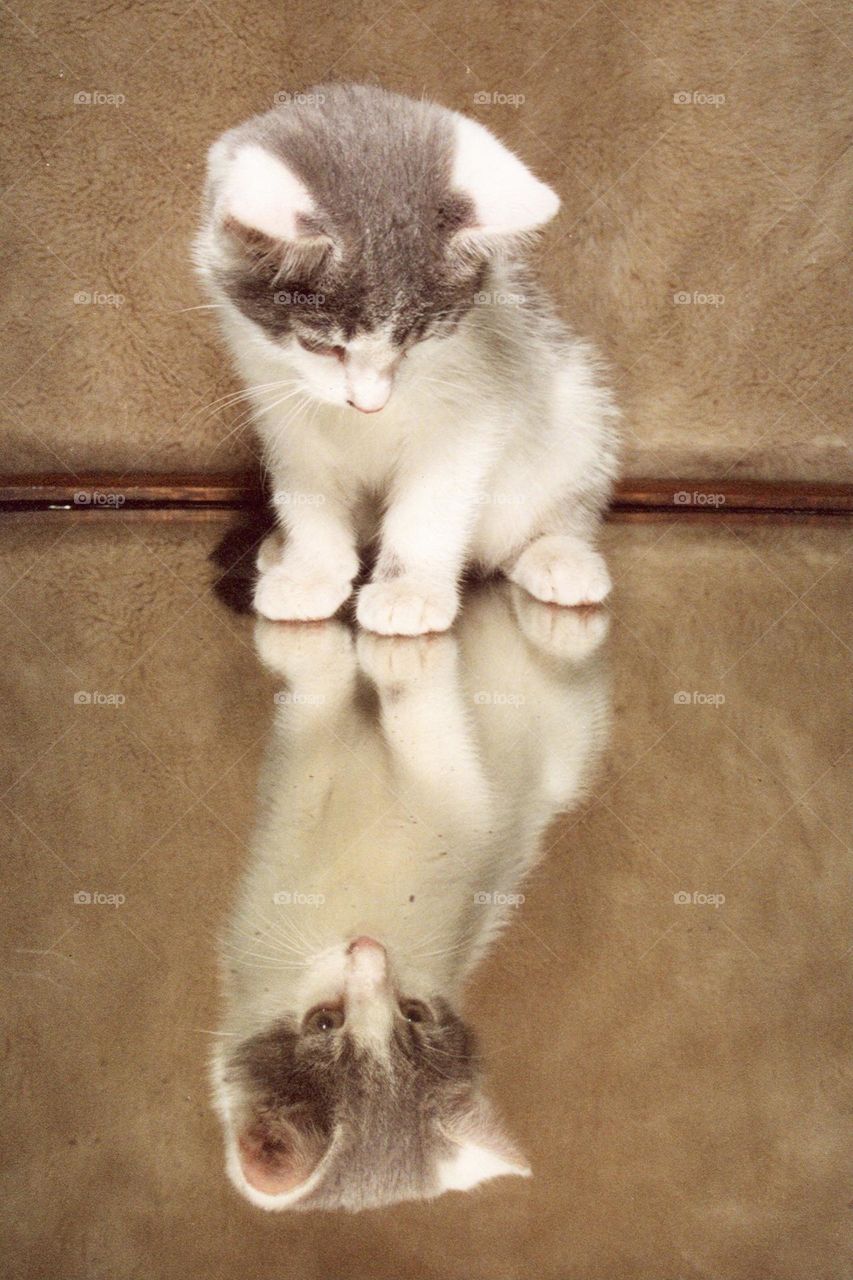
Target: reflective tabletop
x,y
519,950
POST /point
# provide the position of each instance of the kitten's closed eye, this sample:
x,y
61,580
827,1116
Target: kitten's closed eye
x,y
317,348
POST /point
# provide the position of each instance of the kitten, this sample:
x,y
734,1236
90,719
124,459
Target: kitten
x,y
412,386
405,791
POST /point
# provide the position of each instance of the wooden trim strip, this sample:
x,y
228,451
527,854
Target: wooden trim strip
x,y
690,496
653,498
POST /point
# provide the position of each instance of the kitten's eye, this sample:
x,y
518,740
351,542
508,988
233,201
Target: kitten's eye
x,y
323,1019
415,1011
317,349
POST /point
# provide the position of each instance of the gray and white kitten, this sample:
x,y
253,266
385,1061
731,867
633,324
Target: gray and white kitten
x,y
406,788
412,386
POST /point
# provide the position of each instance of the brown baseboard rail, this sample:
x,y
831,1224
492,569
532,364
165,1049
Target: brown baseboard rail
x,y
635,499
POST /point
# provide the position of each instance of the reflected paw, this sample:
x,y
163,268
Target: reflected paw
x,y
395,660
404,607
561,633
304,649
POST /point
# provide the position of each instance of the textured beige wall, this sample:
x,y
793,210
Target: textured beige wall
x,y
736,195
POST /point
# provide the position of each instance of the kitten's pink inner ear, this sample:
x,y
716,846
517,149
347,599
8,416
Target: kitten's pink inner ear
x,y
274,1169
506,196
262,193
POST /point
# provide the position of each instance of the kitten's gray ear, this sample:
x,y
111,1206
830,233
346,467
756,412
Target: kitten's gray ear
x,y
273,1171
262,202
506,196
480,1150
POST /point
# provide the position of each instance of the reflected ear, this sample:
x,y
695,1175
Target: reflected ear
x,y
507,198
275,1168
481,1150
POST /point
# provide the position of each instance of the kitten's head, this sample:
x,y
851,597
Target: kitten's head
x,y
355,224
363,1095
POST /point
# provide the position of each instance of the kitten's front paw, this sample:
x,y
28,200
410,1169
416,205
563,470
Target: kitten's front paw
x,y
404,607
282,598
562,570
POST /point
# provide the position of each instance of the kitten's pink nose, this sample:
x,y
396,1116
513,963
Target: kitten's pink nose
x,y
363,943
362,409
367,968
368,387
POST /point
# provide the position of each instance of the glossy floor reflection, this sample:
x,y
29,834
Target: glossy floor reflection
x,y
660,1018
406,792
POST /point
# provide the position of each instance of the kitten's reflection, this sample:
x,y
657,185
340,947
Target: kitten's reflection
x,y
405,790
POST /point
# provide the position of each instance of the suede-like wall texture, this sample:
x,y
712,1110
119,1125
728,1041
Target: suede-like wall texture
x,y
674,1073
699,149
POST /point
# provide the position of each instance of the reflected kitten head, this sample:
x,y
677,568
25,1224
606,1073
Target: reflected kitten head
x,y
364,1098
355,224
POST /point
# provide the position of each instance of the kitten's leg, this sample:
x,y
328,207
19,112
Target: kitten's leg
x,y
561,568
421,700
317,664
309,574
424,540
316,661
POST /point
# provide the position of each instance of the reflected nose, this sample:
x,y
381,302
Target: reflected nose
x,y
366,963
363,943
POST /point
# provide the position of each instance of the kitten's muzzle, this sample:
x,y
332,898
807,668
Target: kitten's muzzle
x,y
369,997
368,386
353,405
366,967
